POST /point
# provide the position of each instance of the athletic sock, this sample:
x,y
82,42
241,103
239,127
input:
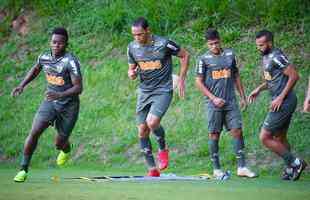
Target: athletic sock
x,y
288,158
67,149
146,150
238,148
213,149
160,137
25,162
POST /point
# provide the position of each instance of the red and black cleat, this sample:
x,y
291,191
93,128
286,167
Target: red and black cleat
x,y
163,159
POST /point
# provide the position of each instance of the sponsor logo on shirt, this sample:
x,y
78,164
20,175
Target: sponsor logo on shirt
x,y
223,73
55,80
150,65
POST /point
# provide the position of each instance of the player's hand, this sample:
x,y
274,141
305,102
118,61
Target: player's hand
x,y
243,103
307,105
181,88
132,74
253,95
218,102
276,104
51,96
17,91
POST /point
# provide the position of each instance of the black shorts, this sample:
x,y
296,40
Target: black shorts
x,y
62,117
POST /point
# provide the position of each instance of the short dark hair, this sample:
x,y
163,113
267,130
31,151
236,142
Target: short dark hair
x,y
212,34
266,33
141,22
61,31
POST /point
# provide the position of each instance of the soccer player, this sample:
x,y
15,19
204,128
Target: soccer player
x,y
60,107
150,57
307,99
217,77
280,77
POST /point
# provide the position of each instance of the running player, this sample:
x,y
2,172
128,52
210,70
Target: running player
x,y
150,57
280,77
217,77
60,107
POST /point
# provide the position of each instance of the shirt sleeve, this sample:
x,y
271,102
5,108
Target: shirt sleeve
x,y
200,67
131,59
280,61
234,66
38,62
173,48
74,67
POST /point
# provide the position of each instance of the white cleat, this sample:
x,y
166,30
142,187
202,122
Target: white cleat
x,y
218,174
246,172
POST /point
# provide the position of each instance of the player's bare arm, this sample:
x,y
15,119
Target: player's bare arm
x,y
239,86
218,102
184,60
132,71
76,89
293,77
254,94
32,74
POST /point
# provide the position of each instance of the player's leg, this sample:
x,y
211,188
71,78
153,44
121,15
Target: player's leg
x,y
238,145
282,150
215,125
233,122
158,109
146,149
64,124
41,121
142,109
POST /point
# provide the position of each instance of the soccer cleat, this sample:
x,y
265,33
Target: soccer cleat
x,y
163,159
218,174
298,170
245,172
153,173
21,176
287,174
62,158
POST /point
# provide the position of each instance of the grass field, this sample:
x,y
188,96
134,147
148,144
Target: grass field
x,y
105,136
40,186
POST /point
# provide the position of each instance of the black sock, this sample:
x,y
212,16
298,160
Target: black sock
x,y
25,162
67,149
288,158
160,137
146,150
213,149
238,149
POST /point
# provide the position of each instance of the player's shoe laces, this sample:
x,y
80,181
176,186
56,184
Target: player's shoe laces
x,y
163,159
62,158
287,174
153,173
21,176
297,171
245,172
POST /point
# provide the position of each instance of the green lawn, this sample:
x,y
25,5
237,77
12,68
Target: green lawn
x,y
40,186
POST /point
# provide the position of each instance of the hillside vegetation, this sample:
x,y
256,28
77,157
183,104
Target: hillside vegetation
x,y
99,33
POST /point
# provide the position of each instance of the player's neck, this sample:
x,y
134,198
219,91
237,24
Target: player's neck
x,y
58,55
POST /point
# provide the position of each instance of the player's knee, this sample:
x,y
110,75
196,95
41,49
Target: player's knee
x,y
237,133
264,137
214,136
143,131
152,124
